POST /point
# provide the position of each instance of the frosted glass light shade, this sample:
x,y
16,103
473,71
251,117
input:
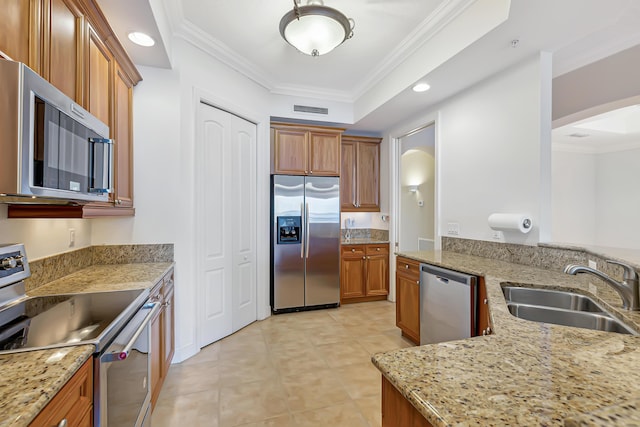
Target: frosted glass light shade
x,y
318,30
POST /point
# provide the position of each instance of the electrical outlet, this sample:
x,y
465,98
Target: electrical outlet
x,y
72,237
593,264
453,229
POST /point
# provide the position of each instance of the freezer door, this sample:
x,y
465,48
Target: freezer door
x,y
288,257
322,245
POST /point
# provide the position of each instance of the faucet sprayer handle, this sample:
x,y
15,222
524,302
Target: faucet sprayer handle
x,y
629,271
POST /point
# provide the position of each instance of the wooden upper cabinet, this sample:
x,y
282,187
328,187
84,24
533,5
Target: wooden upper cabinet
x,y
20,31
360,177
290,149
123,134
324,153
305,150
63,55
99,72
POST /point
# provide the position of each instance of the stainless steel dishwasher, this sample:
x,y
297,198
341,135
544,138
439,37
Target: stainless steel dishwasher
x,y
448,301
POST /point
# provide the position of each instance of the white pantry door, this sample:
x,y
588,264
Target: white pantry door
x,y
226,223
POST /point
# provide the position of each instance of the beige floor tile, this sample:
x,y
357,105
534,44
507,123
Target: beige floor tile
x,y
371,409
195,409
343,415
360,380
343,353
297,360
251,402
313,389
295,369
184,379
245,368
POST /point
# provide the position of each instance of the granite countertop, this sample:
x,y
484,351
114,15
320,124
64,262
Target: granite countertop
x,y
30,379
363,241
525,373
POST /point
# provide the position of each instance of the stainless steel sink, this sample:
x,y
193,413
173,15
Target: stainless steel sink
x,y
561,308
551,298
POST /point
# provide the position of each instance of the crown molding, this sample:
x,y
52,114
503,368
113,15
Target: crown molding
x,y
313,92
223,53
432,25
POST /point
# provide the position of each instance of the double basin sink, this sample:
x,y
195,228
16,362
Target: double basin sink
x,y
561,308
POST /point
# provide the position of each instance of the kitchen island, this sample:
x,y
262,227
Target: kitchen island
x,y
525,373
31,379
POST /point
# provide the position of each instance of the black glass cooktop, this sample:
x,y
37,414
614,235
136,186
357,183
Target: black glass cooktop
x,y
63,320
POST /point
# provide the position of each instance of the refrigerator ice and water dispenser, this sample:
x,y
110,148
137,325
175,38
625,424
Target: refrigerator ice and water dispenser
x,y
289,229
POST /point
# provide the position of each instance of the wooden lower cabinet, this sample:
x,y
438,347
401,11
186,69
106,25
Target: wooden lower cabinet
x,y
73,403
484,318
364,273
398,411
408,298
162,335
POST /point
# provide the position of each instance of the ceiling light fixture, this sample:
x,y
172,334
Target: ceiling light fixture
x,y
421,87
315,29
141,39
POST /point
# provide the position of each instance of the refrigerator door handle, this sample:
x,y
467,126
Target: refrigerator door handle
x,y
304,232
307,228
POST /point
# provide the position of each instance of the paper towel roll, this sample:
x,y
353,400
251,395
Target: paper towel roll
x,y
510,222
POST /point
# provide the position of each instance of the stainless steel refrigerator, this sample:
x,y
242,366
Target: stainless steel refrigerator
x,y
305,242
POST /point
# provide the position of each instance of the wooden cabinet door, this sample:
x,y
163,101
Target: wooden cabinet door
x,y
324,153
368,176
352,274
156,357
123,134
348,176
99,66
290,152
20,31
408,306
377,269
484,321
64,47
397,411
168,325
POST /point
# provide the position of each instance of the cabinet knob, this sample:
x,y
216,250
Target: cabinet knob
x,y
310,172
485,302
378,249
353,249
487,331
418,282
406,266
63,423
364,257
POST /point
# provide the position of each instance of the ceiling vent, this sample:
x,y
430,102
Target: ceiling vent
x,y
313,110
579,135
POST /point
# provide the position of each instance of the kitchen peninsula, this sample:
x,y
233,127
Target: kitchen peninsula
x,y
525,373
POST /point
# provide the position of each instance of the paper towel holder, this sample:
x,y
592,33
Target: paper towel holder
x,y
510,222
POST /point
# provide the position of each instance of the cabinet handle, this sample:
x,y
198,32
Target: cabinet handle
x,y
62,423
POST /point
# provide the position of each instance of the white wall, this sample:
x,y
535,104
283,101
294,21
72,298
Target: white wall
x,y
493,150
418,168
44,237
574,197
164,125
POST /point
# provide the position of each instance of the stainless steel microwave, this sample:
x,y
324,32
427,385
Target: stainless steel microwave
x,y
52,150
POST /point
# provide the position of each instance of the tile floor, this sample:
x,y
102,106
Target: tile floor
x,y
299,369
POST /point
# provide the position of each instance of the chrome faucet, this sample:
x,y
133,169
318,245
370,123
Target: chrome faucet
x,y
628,289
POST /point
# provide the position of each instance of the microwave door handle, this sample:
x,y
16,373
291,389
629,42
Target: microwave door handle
x,y
109,162
124,353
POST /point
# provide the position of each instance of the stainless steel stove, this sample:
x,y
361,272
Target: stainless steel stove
x,y
117,323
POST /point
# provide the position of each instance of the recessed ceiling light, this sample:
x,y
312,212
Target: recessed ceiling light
x,y
421,87
141,39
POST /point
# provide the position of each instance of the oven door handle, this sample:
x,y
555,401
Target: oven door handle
x,y
124,353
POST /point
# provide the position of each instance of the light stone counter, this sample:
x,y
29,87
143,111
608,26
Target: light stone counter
x,y
525,373
30,379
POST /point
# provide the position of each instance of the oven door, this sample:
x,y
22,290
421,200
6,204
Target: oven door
x,y
124,372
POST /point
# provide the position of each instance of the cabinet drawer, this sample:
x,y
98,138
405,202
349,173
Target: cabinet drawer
x,y
382,249
353,251
73,402
408,267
